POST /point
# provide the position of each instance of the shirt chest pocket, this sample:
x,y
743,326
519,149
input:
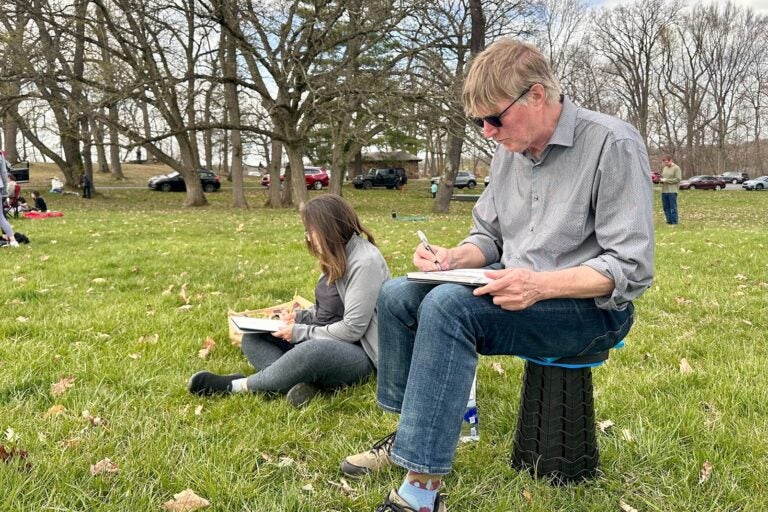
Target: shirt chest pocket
x,y
563,227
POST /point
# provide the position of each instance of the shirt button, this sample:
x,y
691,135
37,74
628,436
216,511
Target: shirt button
x,y
535,197
530,229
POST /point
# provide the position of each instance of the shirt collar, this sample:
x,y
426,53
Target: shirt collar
x,y
566,125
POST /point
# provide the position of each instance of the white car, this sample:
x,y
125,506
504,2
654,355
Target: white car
x,y
760,183
487,180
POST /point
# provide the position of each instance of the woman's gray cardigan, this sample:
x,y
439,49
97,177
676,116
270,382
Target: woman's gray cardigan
x,y
359,290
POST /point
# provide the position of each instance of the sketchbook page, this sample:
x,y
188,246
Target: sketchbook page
x,y
468,276
249,324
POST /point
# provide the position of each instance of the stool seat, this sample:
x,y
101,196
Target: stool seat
x,y
555,438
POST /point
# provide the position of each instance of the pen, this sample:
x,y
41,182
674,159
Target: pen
x,y
428,247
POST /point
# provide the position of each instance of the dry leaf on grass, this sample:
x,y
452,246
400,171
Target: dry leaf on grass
x,y
705,472
104,467
183,294
20,279
134,356
209,345
149,339
496,366
604,425
185,307
198,410
343,486
685,367
8,454
62,386
628,435
168,290
626,508
186,501
98,280
307,488
55,410
22,319
95,421
528,496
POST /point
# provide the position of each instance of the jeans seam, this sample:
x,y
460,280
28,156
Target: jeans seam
x,y
588,348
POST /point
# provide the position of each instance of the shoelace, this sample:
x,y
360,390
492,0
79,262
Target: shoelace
x,y
388,506
385,443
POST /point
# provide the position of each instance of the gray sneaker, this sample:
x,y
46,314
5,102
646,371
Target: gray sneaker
x,y
394,503
378,457
301,394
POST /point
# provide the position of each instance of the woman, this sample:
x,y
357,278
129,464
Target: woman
x,y
334,343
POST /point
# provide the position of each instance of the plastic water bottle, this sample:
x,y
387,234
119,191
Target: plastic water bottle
x,y
470,425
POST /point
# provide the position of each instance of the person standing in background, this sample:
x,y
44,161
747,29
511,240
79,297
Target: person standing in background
x,y
5,192
433,189
670,182
85,183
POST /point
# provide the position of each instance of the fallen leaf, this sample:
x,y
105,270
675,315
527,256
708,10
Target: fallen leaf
x,y
168,290
134,356
149,339
185,307
8,454
705,472
626,508
20,279
496,366
528,496
98,280
685,368
628,435
307,488
22,319
209,345
186,501
95,421
183,294
104,467
198,410
603,426
284,462
72,442
55,410
62,386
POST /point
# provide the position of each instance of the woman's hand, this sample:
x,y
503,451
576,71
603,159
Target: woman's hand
x,y
284,333
288,317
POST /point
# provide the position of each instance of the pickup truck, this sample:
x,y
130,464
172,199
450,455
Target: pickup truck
x,y
384,177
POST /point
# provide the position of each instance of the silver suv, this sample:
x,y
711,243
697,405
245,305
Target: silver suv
x,y
463,179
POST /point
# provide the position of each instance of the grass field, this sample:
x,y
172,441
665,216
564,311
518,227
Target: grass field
x,y
114,300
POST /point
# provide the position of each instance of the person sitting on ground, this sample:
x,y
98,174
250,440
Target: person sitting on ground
x,y
39,205
572,258
57,187
334,343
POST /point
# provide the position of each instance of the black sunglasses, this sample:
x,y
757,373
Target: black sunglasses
x,y
496,120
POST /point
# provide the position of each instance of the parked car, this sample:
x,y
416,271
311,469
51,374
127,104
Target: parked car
x,y
703,182
314,177
20,172
384,177
463,179
174,181
487,180
760,183
656,177
735,177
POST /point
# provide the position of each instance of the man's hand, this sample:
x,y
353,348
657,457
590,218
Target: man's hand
x,y
427,261
514,288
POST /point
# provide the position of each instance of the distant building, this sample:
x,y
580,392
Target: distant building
x,y
377,159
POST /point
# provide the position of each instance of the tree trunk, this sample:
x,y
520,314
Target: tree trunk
x,y
298,185
274,174
114,146
101,154
229,66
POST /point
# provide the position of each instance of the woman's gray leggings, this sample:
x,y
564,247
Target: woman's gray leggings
x,y
5,225
327,364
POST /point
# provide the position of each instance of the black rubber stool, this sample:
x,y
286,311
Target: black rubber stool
x,y
555,437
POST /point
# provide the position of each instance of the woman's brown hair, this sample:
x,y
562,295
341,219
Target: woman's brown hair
x,y
334,222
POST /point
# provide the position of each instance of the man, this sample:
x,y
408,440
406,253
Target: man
x,y
569,217
670,183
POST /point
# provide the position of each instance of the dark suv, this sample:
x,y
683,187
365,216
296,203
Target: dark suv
x,y
734,177
385,177
174,181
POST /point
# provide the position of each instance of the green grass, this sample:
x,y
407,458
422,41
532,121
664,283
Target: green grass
x,y
92,283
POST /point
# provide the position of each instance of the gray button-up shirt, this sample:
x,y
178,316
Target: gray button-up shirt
x,y
588,201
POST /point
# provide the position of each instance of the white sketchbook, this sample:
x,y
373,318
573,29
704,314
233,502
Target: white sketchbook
x,y
467,276
248,324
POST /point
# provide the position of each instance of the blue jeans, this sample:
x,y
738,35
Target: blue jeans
x,y
430,337
669,202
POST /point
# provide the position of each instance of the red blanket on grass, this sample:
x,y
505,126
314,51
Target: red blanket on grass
x,y
42,215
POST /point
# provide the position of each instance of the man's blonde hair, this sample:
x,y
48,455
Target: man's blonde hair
x,y
502,72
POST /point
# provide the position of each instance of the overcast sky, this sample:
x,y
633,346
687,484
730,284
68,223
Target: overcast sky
x,y
760,6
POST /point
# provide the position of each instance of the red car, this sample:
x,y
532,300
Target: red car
x,y
703,182
314,177
656,177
